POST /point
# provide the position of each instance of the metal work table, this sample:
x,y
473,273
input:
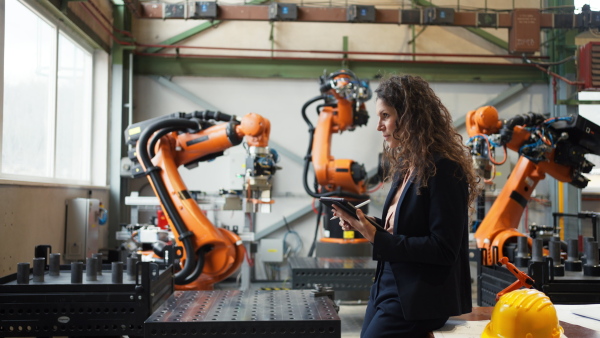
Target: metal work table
x,y
226,313
56,306
339,273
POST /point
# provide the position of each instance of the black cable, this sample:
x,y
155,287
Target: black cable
x,y
526,60
200,255
286,224
319,107
314,243
337,193
213,115
530,119
308,159
308,103
315,183
157,137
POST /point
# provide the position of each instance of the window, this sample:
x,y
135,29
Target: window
x,y
47,111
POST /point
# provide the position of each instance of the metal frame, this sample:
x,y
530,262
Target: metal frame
x,y
573,288
339,273
310,68
57,307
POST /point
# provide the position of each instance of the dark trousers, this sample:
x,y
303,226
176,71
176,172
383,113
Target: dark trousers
x,y
384,316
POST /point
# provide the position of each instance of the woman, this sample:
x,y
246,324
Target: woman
x,y
422,275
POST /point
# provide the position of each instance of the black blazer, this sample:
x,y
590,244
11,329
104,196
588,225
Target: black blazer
x,y
429,249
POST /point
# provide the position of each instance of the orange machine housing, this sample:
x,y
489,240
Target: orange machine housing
x,y
331,173
500,223
338,177
221,250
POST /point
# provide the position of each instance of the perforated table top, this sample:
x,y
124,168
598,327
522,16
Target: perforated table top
x,y
233,313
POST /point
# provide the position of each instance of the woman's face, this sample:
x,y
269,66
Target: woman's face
x,y
387,122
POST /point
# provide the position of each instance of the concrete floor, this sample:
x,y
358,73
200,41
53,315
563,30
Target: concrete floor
x,y
351,317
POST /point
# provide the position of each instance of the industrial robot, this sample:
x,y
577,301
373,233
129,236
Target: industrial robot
x,y
343,97
546,146
206,254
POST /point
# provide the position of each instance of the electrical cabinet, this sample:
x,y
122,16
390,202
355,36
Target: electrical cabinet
x,y
279,11
524,33
174,11
589,66
361,13
205,10
271,250
82,228
438,16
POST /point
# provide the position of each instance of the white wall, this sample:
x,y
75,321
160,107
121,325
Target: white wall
x,y
280,100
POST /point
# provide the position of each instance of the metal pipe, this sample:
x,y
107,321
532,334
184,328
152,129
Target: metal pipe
x,y
131,267
558,267
592,264
117,272
98,257
572,263
54,265
537,253
523,256
39,264
23,273
553,74
130,98
91,269
76,272
332,59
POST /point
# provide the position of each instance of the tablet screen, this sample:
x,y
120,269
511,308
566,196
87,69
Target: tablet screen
x,y
347,207
340,202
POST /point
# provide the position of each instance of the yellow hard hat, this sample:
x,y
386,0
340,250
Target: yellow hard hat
x,y
524,313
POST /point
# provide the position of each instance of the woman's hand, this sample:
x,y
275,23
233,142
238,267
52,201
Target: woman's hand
x,y
361,224
345,225
342,216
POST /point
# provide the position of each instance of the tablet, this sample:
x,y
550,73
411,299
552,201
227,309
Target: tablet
x,y
347,207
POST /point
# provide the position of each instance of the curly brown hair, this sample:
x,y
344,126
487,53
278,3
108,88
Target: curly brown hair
x,y
424,129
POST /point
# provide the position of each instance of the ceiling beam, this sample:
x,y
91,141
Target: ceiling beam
x,y
382,16
305,68
524,24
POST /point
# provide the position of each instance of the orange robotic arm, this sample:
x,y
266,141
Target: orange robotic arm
x,y
523,280
163,144
344,109
553,146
